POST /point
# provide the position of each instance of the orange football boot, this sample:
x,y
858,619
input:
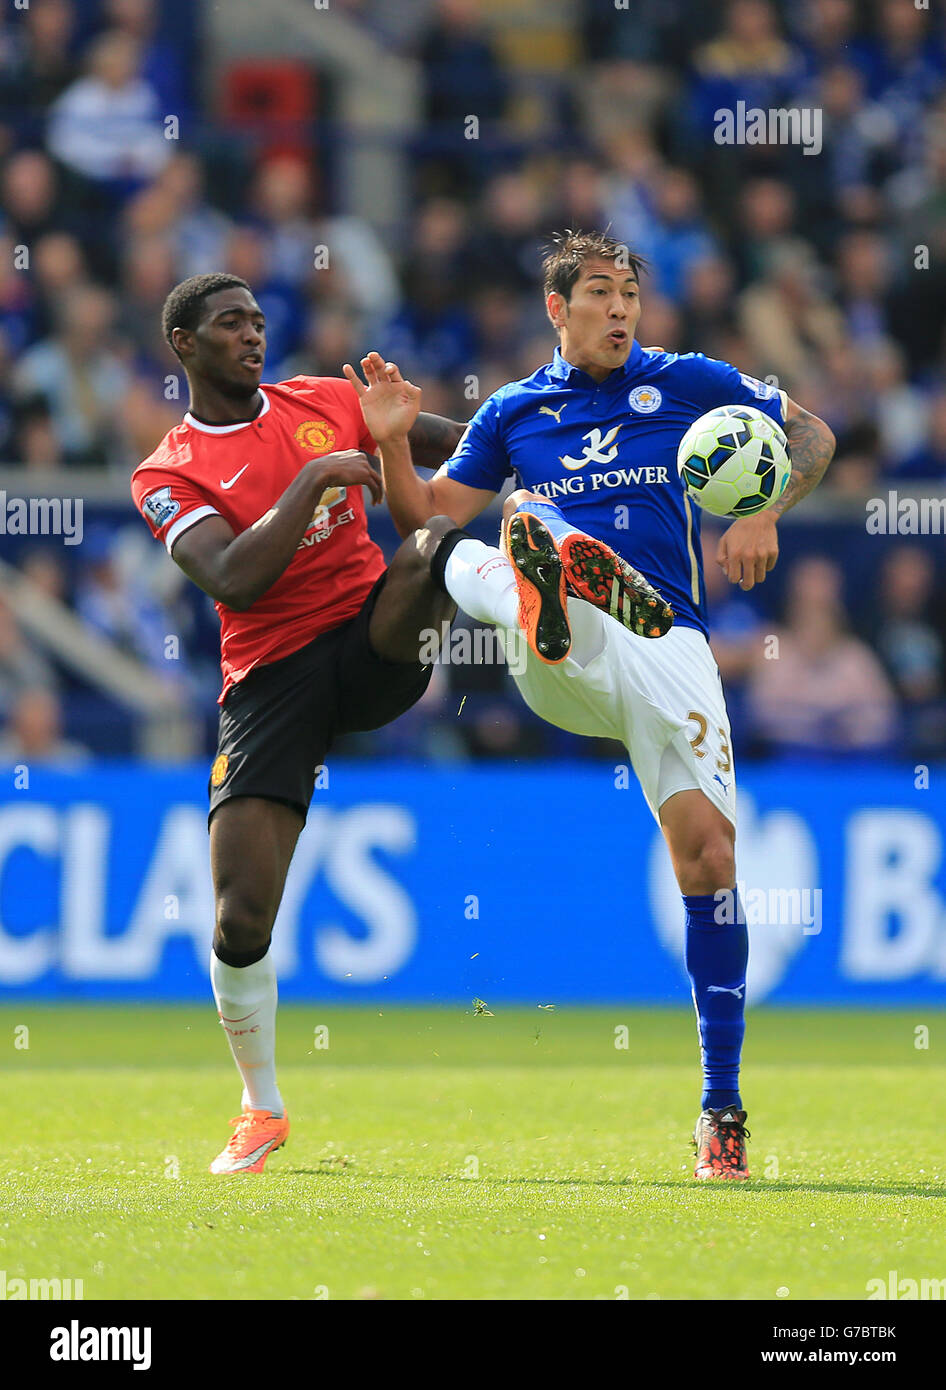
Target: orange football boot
x,y
596,573
720,1142
537,566
256,1135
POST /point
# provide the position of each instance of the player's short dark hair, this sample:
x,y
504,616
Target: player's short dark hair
x,y
182,308
568,252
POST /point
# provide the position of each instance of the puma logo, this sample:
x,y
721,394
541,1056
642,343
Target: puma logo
x,y
556,414
723,989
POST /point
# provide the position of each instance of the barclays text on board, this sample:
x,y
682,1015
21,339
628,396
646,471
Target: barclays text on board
x,y
421,886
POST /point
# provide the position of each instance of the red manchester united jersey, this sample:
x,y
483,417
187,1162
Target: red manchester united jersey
x,y
239,472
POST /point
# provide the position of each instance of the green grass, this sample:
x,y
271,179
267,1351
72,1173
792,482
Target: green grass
x,y
435,1154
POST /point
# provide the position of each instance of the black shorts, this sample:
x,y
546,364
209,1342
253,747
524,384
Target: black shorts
x,y
278,723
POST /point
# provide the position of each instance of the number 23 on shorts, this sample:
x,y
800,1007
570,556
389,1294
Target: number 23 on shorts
x,y
724,761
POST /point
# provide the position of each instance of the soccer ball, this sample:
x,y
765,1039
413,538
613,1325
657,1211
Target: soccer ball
x,y
734,461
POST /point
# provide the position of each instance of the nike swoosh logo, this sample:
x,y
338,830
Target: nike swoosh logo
x,y
234,478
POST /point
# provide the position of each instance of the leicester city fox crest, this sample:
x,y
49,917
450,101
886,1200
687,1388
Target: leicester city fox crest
x,y
645,399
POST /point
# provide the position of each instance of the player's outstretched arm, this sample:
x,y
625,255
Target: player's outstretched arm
x,y
433,439
812,446
237,570
748,550
390,406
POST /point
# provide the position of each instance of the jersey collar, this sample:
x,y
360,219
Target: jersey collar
x,y
227,429
560,370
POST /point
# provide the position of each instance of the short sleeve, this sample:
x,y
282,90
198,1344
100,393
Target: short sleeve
x,y
169,503
480,459
714,383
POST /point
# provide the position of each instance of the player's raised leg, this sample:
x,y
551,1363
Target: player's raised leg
x,y
701,843
526,584
251,844
411,602
592,570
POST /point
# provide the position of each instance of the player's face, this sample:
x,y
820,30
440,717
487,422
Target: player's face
x,y
597,324
230,342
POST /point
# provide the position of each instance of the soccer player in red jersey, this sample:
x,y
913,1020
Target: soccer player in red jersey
x,y
257,496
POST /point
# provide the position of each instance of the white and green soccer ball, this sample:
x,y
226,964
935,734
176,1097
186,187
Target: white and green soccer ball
x,y
734,461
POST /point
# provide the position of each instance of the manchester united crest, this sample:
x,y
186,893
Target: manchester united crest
x,y
219,770
315,435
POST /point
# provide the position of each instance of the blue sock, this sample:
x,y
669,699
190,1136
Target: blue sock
x,y
716,957
551,516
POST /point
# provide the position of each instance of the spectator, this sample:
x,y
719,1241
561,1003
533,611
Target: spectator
x,y
821,690
199,231
863,268
707,310
34,733
461,70
507,249
432,333
929,460
80,376
58,267
461,76
148,275
827,33
767,215
785,317
17,297
43,65
900,409
107,127
860,141
749,62
29,193
35,442
162,64
901,631
682,237
911,648
855,468
114,604
22,667
45,571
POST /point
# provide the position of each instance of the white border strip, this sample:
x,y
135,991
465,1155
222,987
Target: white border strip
x,y
184,523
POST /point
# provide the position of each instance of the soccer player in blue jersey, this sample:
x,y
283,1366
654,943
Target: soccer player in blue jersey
x,y
598,535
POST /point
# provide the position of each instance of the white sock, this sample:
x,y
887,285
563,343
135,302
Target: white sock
x,y
246,1003
480,580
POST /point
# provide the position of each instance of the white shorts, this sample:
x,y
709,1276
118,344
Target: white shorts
x,y
661,696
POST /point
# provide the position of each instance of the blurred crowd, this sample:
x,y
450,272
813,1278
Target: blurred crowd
x,y
823,272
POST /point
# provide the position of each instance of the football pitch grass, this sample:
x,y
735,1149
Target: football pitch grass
x,y
439,1154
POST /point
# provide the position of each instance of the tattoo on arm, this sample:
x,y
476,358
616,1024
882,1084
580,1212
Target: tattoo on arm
x,y
433,439
812,447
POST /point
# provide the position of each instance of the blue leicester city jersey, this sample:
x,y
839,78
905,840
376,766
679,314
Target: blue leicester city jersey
x,y
606,454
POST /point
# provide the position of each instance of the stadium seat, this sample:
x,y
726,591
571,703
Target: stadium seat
x,y
275,99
